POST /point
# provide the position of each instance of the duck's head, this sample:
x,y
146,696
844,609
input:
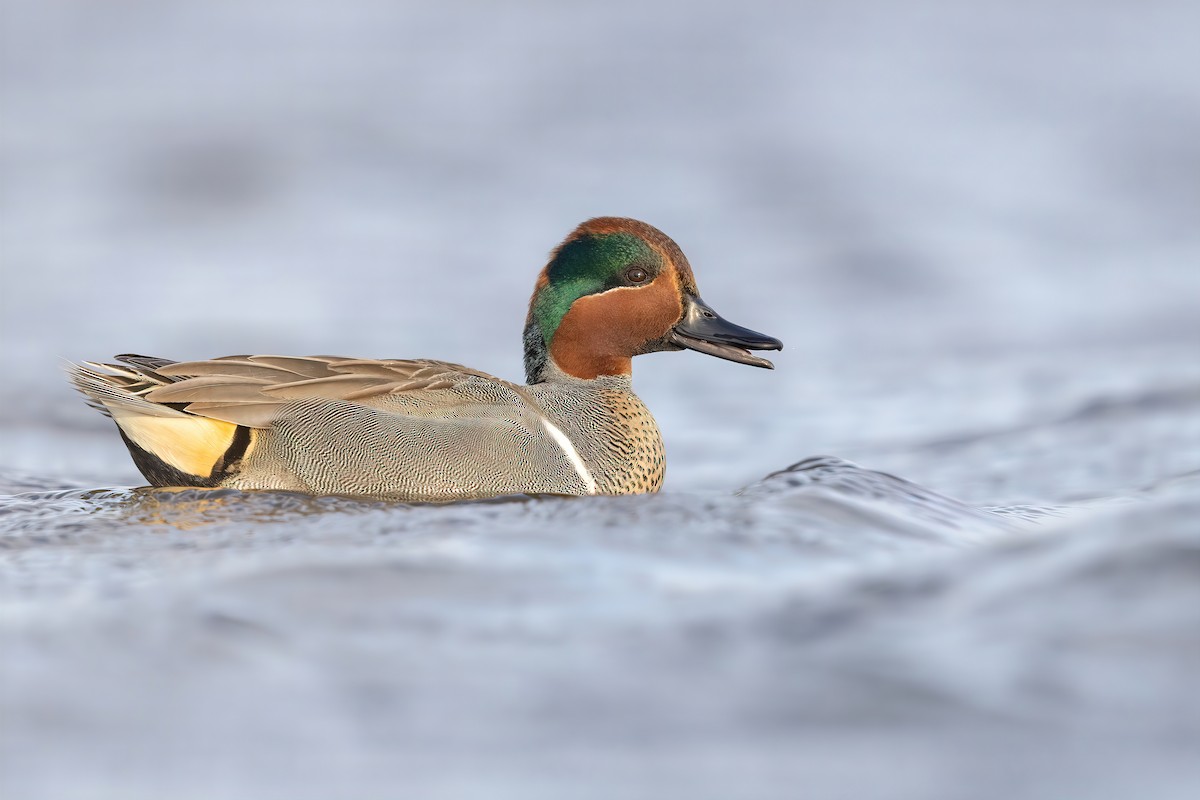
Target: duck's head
x,y
616,288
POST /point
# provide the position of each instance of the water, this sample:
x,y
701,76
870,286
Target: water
x,y
973,228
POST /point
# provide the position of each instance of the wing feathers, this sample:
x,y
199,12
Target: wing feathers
x,y
211,389
306,367
378,369
249,390
240,369
332,388
252,415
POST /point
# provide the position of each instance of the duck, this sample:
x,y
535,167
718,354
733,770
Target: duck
x,y
418,430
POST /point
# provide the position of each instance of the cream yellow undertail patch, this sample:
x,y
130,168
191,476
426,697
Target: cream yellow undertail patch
x,y
188,443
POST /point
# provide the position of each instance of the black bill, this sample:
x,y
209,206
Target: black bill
x,y
703,330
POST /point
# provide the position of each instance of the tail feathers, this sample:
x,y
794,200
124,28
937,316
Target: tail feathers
x,y
119,393
170,446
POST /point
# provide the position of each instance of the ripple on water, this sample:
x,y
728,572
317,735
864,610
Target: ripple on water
x,y
825,596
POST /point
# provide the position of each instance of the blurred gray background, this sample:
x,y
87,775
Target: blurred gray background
x,y
865,180
974,225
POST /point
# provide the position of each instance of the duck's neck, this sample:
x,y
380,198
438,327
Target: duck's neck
x,y
537,356
570,357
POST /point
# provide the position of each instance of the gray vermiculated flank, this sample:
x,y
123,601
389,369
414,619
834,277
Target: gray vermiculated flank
x,y
484,442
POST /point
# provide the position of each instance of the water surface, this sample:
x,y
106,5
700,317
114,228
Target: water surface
x,y
973,228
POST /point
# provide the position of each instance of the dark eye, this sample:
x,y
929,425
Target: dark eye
x,y
636,274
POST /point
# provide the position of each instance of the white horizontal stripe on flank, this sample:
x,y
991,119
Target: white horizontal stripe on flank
x,y
572,454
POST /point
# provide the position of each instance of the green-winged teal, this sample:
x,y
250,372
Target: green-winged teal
x,y
432,431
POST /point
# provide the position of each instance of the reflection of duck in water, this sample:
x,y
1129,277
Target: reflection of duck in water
x,y
428,430
188,508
